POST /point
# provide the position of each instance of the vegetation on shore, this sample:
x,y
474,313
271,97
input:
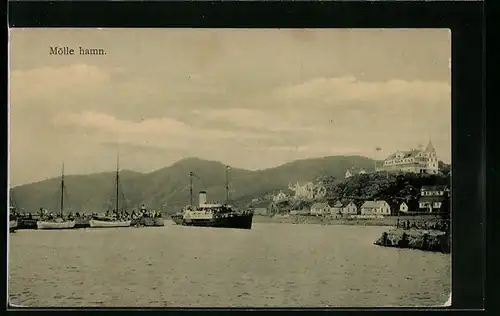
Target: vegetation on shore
x,y
394,188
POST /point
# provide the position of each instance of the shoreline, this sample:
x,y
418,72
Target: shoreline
x,y
328,220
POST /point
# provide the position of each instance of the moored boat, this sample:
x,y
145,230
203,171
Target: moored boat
x,y
213,215
82,222
118,219
60,222
26,222
147,218
55,225
12,225
95,223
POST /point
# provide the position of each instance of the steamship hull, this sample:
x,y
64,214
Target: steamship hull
x,y
240,221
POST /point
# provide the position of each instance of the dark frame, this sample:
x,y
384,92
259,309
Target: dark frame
x,y
465,19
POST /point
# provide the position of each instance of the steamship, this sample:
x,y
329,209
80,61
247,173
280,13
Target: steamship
x,y
213,215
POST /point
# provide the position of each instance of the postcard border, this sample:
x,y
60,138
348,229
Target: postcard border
x,y
468,114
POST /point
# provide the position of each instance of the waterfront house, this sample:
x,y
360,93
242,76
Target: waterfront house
x,y
336,209
433,198
403,207
320,209
350,208
375,208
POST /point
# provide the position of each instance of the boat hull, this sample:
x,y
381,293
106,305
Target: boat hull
x,y
12,225
82,223
107,224
240,221
148,222
55,225
27,224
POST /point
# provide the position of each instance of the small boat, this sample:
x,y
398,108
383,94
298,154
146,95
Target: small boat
x,y
12,225
148,219
25,222
95,223
82,222
213,215
55,225
59,222
108,222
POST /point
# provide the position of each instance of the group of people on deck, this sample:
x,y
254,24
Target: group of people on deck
x,y
143,212
117,215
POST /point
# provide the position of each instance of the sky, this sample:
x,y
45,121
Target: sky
x,y
249,98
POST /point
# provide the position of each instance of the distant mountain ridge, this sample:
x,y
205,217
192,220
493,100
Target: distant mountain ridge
x,y
167,189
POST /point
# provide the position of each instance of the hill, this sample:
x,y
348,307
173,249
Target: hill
x,y
167,189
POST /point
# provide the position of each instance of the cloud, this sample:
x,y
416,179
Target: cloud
x,y
255,119
55,82
163,132
349,88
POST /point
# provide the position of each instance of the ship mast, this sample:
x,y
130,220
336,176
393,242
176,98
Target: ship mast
x,y
117,180
62,190
227,184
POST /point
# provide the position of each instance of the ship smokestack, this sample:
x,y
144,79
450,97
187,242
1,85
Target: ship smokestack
x,y
202,198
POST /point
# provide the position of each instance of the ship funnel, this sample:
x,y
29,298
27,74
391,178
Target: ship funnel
x,y
202,198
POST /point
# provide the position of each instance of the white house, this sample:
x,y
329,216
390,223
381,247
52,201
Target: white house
x,y
433,198
320,209
403,207
281,196
336,209
350,208
348,174
375,208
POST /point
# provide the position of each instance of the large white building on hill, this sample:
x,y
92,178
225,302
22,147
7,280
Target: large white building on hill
x,y
415,160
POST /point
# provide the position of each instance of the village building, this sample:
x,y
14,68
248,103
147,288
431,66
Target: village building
x,y
281,196
320,209
336,208
375,208
350,172
403,207
350,209
415,160
433,198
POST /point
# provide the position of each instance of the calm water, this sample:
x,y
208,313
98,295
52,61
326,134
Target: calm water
x,y
272,265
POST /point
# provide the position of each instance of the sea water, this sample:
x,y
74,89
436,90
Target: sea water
x,y
271,265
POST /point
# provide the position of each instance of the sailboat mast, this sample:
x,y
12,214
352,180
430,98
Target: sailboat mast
x,y
191,189
62,190
117,180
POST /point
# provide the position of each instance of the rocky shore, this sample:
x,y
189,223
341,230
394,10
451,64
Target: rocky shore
x,y
427,240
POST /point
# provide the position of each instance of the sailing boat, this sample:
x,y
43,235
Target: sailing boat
x,y
58,223
12,219
105,222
